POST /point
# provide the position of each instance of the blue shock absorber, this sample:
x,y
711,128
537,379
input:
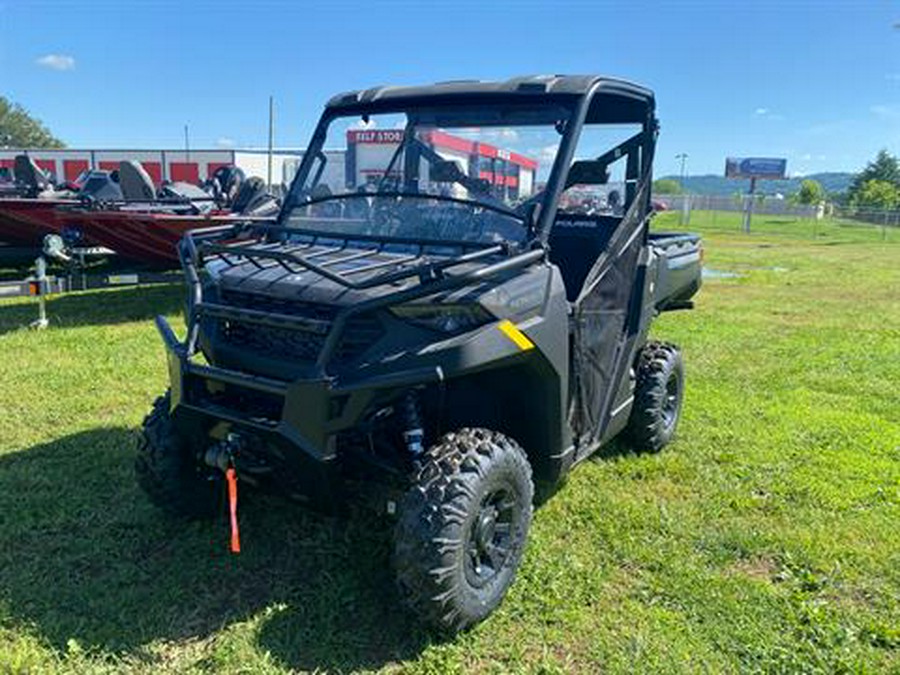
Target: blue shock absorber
x,y
414,435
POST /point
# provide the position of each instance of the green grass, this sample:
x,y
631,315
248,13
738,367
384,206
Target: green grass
x,y
792,227
765,539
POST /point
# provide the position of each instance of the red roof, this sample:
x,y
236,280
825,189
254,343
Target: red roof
x,y
441,139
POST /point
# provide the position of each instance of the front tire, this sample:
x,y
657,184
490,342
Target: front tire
x,y
462,528
658,396
167,469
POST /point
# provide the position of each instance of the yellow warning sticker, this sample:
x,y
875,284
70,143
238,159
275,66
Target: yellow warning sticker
x,y
513,333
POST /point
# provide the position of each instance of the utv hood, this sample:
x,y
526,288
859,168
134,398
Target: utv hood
x,y
358,262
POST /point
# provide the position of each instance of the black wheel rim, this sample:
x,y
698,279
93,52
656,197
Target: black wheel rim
x,y
670,402
491,536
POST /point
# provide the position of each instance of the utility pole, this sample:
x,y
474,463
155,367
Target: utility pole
x,y
685,203
683,157
187,144
748,213
271,141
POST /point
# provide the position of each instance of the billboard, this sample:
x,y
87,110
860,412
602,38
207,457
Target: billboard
x,y
755,167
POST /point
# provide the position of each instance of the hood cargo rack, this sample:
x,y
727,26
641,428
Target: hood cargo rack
x,y
228,244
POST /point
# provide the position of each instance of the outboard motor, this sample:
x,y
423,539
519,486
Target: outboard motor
x,y
250,190
135,182
253,200
225,182
100,186
265,206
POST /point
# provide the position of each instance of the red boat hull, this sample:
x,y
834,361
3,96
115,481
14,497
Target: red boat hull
x,y
25,222
145,237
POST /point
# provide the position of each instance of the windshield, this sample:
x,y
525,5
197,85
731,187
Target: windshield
x,y
446,175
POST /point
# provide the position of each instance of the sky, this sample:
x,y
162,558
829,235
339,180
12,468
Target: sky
x,y
815,82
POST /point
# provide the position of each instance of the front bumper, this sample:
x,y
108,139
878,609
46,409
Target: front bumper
x,y
309,411
297,422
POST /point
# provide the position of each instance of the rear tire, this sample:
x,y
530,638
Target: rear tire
x,y
658,396
462,528
168,470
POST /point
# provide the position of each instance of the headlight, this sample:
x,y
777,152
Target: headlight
x,y
444,318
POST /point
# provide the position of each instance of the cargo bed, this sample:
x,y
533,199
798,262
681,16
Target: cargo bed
x,y
677,270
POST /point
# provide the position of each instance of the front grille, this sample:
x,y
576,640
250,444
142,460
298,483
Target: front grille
x,y
257,406
360,333
266,303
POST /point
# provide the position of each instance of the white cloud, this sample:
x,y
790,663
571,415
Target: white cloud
x,y
57,62
547,153
225,142
886,112
766,113
487,135
544,155
503,135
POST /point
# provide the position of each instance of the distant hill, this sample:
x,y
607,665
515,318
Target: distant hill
x,y
719,185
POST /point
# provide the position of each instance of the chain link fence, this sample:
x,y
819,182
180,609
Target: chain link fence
x,y
767,205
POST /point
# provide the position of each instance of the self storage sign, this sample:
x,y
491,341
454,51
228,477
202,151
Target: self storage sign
x,y
376,136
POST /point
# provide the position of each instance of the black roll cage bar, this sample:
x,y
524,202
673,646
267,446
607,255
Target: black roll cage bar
x,y
546,208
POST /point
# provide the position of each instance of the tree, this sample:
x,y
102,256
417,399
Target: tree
x,y
877,194
666,186
811,192
885,167
18,129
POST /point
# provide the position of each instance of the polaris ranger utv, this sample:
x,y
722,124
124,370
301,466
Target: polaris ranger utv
x,y
454,316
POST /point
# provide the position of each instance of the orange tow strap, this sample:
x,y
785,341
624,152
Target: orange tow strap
x,y
231,478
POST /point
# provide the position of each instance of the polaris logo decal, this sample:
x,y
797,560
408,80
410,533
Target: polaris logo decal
x,y
577,223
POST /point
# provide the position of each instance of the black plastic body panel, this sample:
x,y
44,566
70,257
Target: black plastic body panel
x,y
513,372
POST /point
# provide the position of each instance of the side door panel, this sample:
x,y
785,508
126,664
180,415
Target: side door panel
x,y
606,319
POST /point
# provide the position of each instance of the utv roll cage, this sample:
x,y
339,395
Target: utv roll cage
x,y
591,100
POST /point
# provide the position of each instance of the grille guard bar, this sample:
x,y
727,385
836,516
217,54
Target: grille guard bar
x,y
199,243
